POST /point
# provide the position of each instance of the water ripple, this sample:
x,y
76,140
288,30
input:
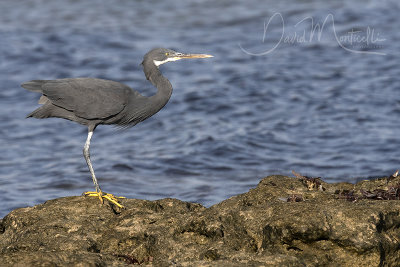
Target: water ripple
x,y
310,107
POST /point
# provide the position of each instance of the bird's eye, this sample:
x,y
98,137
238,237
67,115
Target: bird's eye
x,y
166,54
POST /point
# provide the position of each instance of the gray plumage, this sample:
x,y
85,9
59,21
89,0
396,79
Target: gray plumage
x,y
91,101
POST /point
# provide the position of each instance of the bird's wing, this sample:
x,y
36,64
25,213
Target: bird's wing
x,y
88,98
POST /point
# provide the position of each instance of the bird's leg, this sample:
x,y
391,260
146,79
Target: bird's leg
x,y
86,154
98,193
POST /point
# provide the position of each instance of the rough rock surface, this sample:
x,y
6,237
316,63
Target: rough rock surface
x,y
258,228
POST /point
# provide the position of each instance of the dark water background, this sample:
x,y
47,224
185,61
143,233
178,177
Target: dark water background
x,y
309,106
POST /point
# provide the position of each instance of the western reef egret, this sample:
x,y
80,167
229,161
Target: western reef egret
x,y
91,102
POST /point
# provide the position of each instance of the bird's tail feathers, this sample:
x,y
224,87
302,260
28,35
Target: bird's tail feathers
x,y
34,86
40,113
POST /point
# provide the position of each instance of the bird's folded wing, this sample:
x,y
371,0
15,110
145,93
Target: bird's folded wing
x,y
88,98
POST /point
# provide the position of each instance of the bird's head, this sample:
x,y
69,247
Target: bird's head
x,y
159,56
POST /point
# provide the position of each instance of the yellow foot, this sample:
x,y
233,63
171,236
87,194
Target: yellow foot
x,y
113,199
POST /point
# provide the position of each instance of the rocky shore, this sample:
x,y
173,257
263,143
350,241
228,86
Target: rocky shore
x,y
284,221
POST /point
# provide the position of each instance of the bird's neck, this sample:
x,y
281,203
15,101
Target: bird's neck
x,y
164,87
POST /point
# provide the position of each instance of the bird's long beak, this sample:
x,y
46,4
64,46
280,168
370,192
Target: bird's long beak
x,y
193,56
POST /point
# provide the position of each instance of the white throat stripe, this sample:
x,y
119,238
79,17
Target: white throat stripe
x,y
158,63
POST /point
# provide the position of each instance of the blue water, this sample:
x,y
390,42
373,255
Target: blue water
x,y
304,104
